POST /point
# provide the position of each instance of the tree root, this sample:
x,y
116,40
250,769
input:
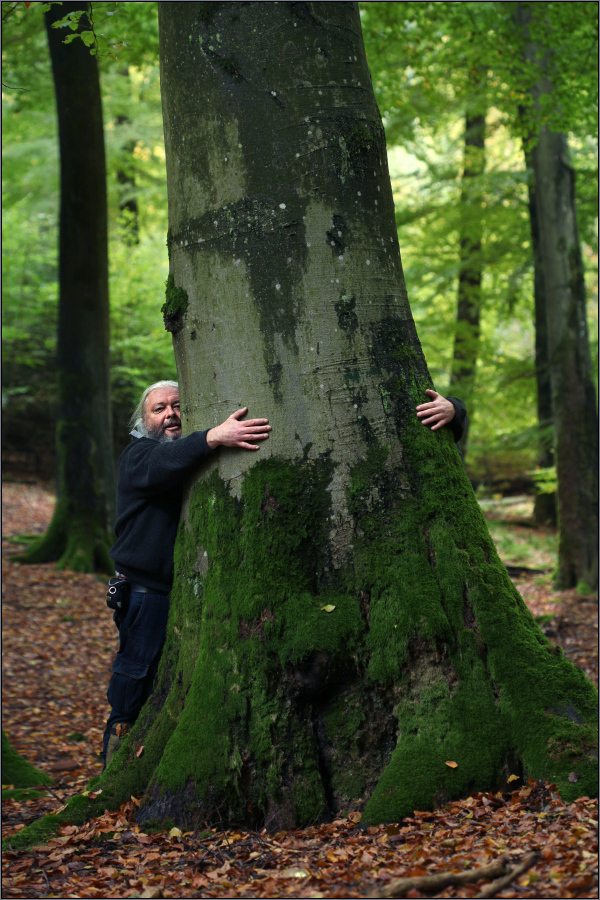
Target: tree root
x,y
432,883
76,542
496,886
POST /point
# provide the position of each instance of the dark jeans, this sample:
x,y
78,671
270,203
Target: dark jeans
x,y
141,639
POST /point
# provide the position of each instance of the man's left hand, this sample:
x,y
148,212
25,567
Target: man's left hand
x,y
234,433
438,411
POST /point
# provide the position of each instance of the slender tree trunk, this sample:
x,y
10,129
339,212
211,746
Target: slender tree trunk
x,y
466,340
573,395
545,504
78,535
341,626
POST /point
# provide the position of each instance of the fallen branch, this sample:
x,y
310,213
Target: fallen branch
x,y
430,884
496,886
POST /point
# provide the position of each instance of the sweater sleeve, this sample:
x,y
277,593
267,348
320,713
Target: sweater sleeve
x,y
151,464
458,425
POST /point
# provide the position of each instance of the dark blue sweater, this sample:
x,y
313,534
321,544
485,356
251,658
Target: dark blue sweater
x,y
149,495
458,425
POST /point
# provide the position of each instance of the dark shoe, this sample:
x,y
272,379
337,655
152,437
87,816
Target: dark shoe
x,y
117,732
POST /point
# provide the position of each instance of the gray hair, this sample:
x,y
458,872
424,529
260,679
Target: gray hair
x,y
137,417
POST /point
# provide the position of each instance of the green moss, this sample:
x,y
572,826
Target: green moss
x,y
175,305
78,810
18,771
310,802
22,794
450,630
255,605
156,826
355,144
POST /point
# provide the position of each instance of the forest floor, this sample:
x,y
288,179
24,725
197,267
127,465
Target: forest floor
x,y
58,646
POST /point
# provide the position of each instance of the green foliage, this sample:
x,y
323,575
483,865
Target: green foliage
x,y
523,547
141,350
430,63
545,479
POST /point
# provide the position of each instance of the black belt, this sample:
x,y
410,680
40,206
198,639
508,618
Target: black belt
x,y
142,589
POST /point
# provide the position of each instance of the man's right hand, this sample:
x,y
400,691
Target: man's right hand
x,y
234,433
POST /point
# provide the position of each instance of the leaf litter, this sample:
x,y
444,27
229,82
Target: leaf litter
x,y
58,645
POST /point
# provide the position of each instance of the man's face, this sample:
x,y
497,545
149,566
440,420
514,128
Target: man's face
x,y
161,414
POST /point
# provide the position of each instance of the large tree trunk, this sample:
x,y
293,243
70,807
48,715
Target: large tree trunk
x,y
78,535
573,395
341,626
468,314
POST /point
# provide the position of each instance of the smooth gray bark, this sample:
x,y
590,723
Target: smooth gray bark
x,y
291,167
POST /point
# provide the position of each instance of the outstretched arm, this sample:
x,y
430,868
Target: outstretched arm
x,y
438,412
235,433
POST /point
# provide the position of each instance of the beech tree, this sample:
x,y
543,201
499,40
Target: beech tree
x,y
342,633
78,535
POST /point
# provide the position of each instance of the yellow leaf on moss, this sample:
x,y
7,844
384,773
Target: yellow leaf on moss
x,y
451,764
328,608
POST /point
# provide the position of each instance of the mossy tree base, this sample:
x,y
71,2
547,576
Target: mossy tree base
x,y
74,541
283,700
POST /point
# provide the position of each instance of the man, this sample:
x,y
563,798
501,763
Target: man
x,y
152,471
444,411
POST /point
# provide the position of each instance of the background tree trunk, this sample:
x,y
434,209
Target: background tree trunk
x,y
340,625
468,314
78,535
128,204
573,395
544,510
